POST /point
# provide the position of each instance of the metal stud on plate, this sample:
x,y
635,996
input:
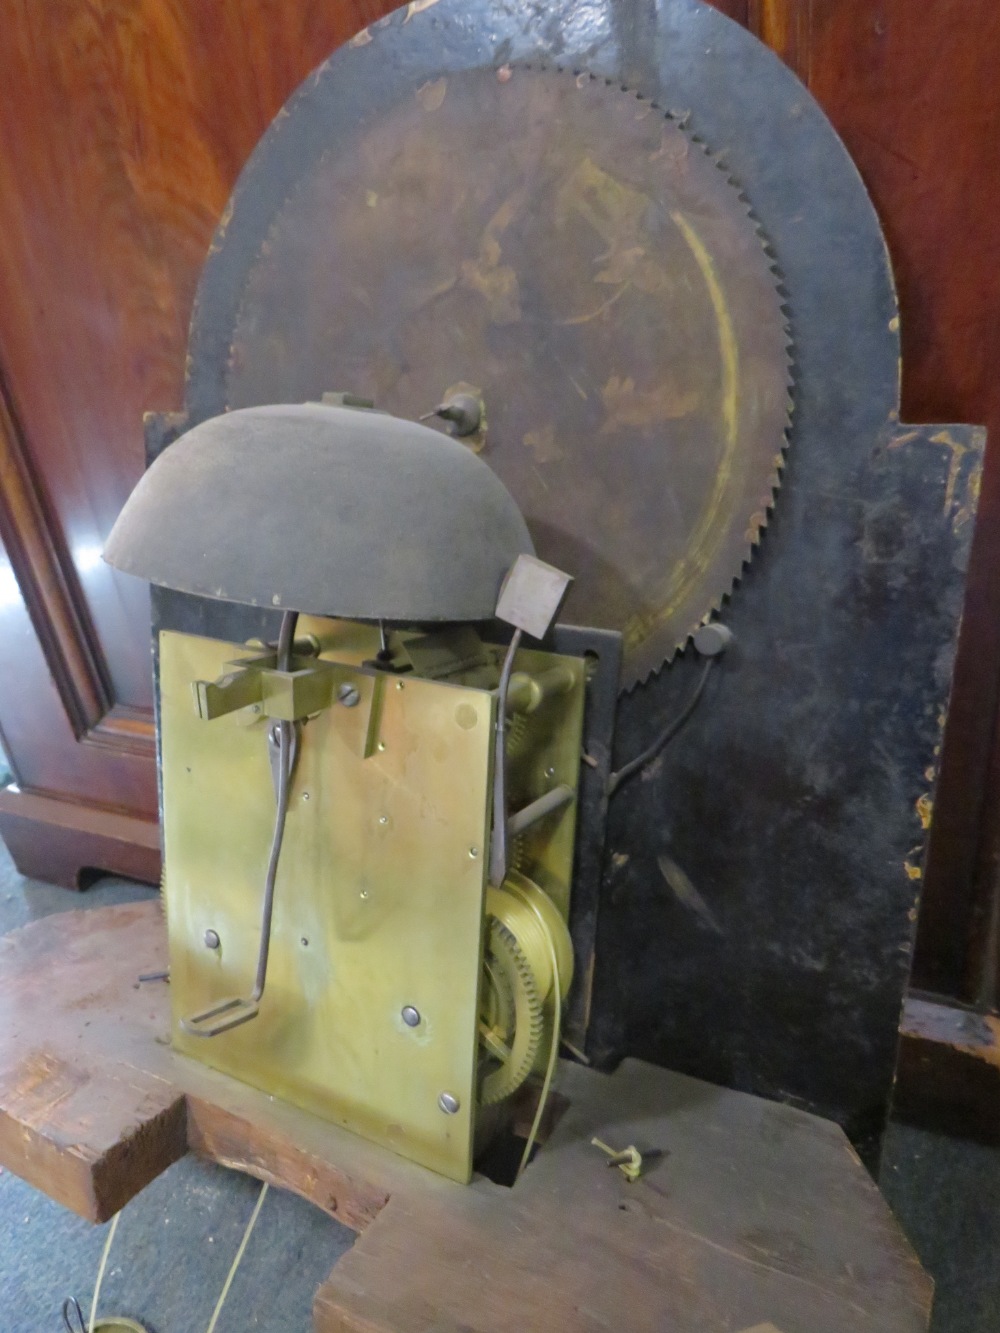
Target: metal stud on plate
x,y
448,1103
411,1016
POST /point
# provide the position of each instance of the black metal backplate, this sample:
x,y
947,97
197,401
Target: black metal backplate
x,y
795,798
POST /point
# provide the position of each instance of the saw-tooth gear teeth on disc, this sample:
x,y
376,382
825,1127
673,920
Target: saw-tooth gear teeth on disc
x,y
584,258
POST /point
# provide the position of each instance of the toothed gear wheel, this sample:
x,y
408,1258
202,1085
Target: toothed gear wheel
x,y
497,1009
511,1014
575,252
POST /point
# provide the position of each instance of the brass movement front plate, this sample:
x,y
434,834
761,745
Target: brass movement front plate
x,y
380,887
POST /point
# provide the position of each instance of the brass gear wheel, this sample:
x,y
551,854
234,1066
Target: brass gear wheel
x,y
512,1041
526,931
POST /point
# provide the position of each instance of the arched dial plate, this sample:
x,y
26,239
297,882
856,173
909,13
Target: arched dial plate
x,y
566,248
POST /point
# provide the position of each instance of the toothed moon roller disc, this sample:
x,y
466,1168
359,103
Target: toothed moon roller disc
x,y
575,254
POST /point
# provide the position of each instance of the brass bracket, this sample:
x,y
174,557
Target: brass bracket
x,y
287,696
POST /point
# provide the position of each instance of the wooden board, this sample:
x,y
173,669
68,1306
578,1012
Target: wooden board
x,y
757,1217
948,1076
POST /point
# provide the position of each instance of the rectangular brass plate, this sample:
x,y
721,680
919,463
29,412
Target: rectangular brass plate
x,y
378,903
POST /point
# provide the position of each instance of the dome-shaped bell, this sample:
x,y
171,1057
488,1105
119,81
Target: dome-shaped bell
x,y
331,510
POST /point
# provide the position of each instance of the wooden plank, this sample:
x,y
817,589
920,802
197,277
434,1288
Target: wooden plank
x,y
243,1143
61,1129
756,1216
57,840
948,1076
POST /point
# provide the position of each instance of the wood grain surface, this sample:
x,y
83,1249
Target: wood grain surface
x,y
756,1214
123,128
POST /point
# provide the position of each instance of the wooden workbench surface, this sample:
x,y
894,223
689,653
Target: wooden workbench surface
x,y
758,1218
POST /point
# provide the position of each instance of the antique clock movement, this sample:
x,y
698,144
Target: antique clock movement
x,y
505,343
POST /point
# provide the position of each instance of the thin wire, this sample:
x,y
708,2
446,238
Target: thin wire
x,y
71,1304
226,1286
239,1255
286,740
553,1049
100,1272
667,734
498,843
286,640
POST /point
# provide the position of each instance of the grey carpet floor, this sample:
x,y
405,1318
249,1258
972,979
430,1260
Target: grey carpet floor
x,y
176,1240
946,1194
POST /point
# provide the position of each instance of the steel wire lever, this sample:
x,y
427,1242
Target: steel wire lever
x,y
283,745
530,596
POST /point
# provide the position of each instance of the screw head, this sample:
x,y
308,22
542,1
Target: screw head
x,y
411,1016
305,796
473,852
212,940
448,1103
381,745
349,695
383,819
